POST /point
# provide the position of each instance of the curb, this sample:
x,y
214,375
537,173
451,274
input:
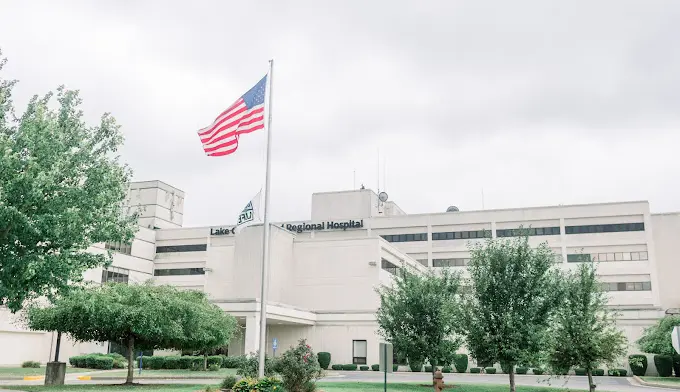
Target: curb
x,y
95,378
655,384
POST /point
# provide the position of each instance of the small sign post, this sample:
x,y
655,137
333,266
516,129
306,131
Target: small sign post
x,y
675,338
386,351
275,345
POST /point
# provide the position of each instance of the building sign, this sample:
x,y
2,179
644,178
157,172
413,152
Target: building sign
x,y
223,231
329,225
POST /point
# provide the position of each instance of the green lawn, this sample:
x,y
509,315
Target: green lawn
x,y
378,387
113,388
663,380
170,373
18,372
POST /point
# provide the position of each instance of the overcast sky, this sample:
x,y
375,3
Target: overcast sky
x,y
526,102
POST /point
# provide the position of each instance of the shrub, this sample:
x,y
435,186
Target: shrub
x,y
324,359
521,370
349,366
99,362
336,367
213,367
157,363
250,364
638,364
580,371
598,372
664,365
184,362
446,369
30,364
146,362
617,372
119,361
375,367
299,368
460,361
537,371
490,370
415,366
475,370
428,369
250,384
172,362
233,362
228,382
364,367
395,368
215,360
195,367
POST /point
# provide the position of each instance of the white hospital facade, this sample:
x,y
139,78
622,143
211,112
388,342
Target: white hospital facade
x,y
324,271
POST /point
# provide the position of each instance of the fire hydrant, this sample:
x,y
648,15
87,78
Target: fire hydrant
x,y
438,381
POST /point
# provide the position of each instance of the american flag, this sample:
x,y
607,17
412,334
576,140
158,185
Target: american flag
x,y
243,116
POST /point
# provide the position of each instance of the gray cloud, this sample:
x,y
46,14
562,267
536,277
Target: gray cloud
x,y
536,102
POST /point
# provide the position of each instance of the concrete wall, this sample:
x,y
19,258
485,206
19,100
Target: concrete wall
x,y
667,244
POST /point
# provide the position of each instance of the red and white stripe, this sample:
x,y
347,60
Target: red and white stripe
x,y
221,137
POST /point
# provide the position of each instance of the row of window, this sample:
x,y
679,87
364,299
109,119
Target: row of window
x,y
179,271
181,248
611,256
389,267
459,235
627,286
120,247
115,274
531,231
450,262
610,228
405,237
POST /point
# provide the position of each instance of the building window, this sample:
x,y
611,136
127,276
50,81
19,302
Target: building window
x,y
423,262
389,267
359,349
578,258
627,286
115,274
179,271
120,247
460,235
608,257
530,231
181,248
405,237
450,262
609,228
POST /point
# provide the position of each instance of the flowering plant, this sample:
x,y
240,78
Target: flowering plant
x,y
299,368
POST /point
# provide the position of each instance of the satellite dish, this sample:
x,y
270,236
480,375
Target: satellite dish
x,y
382,196
452,209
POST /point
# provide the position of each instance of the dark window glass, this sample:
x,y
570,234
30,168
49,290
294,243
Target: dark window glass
x,y
359,352
179,271
609,228
458,235
578,258
621,286
181,248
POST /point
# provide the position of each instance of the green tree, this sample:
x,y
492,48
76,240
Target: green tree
x,y
142,316
62,189
585,334
514,293
418,315
657,340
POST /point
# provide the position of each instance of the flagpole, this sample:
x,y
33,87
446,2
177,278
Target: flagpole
x,y
265,236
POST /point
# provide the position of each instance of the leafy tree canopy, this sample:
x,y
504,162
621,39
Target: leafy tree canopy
x,y
418,315
585,333
62,189
657,338
515,291
141,316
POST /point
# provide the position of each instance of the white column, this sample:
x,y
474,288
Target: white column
x,y
252,339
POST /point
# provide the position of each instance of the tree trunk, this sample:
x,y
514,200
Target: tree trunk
x,y
205,361
591,384
131,359
511,374
434,381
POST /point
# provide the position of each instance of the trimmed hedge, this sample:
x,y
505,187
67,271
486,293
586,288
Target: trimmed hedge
x,y
428,369
537,371
349,366
460,361
490,370
92,361
363,368
664,365
580,371
232,362
324,359
617,372
598,372
475,370
375,367
336,367
416,367
522,370
30,364
214,360
638,364
172,362
447,369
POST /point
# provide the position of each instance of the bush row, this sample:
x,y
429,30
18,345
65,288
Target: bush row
x,y
185,362
30,364
92,361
